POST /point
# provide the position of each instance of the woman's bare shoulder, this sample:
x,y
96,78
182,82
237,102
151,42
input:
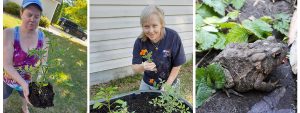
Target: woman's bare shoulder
x,y
8,34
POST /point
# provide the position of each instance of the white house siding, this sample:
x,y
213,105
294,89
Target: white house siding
x,y
114,26
49,6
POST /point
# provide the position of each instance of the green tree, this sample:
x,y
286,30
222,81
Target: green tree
x,y
58,12
77,12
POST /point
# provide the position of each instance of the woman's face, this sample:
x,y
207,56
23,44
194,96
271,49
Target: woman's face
x,y
31,17
152,28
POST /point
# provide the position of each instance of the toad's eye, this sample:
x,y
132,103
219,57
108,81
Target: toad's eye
x,y
276,55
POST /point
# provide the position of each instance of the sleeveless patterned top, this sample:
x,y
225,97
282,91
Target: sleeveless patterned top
x,y
22,59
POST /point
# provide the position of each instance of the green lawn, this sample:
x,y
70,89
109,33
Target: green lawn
x,y
132,83
10,21
73,67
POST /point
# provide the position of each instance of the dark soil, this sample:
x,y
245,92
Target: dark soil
x,y
138,103
206,57
220,103
41,97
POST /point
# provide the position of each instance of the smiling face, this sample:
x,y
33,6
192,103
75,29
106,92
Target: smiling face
x,y
31,17
152,28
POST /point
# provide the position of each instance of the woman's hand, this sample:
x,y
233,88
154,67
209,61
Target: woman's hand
x,y
26,92
149,66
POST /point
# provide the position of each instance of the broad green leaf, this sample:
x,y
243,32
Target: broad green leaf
x,y
236,35
282,23
227,25
199,21
233,15
218,5
97,105
206,11
238,4
216,74
220,44
210,28
267,19
215,20
207,80
258,27
205,39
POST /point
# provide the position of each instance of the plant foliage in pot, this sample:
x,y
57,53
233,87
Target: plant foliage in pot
x,y
152,101
41,93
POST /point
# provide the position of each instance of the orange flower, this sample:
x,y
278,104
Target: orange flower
x,y
151,81
143,52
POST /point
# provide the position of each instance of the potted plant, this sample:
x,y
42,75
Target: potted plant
x,y
41,92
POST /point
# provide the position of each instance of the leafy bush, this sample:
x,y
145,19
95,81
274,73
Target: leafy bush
x,y
12,8
207,80
44,22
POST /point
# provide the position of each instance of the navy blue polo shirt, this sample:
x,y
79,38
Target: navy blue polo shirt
x,y
170,53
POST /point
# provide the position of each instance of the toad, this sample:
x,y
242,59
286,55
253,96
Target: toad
x,y
246,65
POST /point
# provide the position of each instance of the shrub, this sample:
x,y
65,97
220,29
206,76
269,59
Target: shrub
x,y
12,8
44,22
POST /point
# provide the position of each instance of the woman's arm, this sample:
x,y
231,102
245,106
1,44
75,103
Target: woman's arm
x,y
8,50
173,75
138,68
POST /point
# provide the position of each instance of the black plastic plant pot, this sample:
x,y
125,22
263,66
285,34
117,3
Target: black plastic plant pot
x,y
138,102
42,96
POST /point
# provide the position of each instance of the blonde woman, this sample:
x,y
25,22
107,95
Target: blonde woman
x,y
165,45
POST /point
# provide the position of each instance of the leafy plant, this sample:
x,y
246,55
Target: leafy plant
x,y
12,8
219,6
107,94
40,71
147,55
169,100
282,23
44,22
207,81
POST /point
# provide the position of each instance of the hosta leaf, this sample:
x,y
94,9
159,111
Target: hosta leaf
x,y
238,4
218,5
236,35
215,20
257,27
206,11
205,39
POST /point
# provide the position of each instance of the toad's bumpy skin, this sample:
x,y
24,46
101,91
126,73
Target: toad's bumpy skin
x,y
247,65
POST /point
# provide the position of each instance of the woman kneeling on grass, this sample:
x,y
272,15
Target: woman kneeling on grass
x,y
17,42
166,48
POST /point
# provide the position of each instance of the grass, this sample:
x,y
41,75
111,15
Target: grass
x,y
9,21
73,68
132,83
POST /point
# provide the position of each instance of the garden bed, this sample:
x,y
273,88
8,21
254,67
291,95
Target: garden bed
x,y
138,102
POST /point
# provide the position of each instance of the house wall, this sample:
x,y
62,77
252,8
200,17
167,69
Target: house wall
x,y
114,26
